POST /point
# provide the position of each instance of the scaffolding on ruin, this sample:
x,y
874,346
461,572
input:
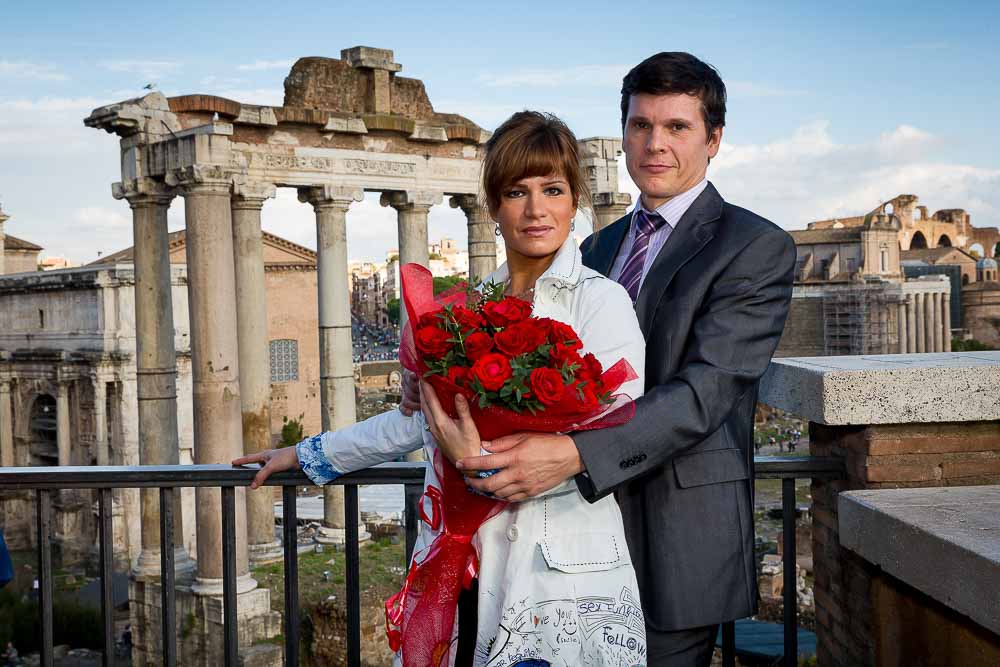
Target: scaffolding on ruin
x,y
856,321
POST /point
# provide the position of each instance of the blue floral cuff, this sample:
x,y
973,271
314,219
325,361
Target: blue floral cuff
x,y
313,461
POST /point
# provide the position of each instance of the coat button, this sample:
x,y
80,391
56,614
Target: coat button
x,y
512,533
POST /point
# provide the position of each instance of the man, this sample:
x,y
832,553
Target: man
x,y
711,284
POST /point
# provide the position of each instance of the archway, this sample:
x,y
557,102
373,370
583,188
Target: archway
x,y
918,242
977,250
944,241
965,279
996,249
44,448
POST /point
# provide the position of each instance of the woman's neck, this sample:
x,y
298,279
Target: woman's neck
x,y
524,271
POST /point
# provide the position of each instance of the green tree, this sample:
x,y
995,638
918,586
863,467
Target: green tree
x,y
971,345
291,431
445,283
392,310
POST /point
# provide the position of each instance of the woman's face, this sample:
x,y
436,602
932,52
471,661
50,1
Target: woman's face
x,y
535,215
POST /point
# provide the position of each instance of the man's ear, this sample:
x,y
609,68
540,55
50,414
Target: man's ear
x,y
714,142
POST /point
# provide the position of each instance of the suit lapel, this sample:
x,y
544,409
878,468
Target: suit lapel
x,y
602,257
687,239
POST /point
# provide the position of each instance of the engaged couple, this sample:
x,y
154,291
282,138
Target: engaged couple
x,y
628,366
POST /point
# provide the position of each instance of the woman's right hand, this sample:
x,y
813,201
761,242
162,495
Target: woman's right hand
x,y
272,461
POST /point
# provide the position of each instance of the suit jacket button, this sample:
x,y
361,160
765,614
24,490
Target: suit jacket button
x,y
512,533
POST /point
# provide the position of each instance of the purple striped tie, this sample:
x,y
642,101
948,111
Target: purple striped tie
x,y
631,276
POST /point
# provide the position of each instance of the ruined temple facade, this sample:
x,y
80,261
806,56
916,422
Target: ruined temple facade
x,y
16,255
951,228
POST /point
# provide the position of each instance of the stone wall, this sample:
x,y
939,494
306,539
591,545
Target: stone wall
x,y
803,334
981,312
895,421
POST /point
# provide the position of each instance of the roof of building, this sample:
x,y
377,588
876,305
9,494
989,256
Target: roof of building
x,y
14,243
986,263
177,240
933,255
817,236
982,286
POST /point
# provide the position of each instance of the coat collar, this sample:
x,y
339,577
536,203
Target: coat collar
x,y
692,233
566,267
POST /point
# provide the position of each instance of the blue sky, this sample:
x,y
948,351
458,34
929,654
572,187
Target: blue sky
x,y
831,109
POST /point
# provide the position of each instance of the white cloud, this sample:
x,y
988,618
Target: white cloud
x,y
47,126
261,65
101,219
149,69
36,71
812,176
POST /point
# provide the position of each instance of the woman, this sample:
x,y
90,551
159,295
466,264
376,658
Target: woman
x,y
556,585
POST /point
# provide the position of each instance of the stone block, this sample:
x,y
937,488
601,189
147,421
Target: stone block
x,y
941,541
886,389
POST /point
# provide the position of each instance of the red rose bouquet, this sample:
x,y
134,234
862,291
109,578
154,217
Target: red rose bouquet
x,y
520,373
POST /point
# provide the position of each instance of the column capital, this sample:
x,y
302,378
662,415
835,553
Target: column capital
x,y
410,199
251,194
612,199
201,179
330,196
143,192
469,204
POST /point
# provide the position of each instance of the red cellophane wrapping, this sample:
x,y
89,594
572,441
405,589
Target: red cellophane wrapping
x,y
420,618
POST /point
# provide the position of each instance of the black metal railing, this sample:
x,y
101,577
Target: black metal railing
x,y
45,480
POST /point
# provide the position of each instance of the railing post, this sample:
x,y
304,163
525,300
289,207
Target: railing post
x,y
291,543
790,592
353,574
44,510
104,530
229,621
168,613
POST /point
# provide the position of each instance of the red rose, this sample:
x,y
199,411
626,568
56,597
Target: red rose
x,y
561,355
433,342
543,324
492,370
591,369
431,319
547,385
477,344
467,319
519,338
506,312
458,375
589,398
563,333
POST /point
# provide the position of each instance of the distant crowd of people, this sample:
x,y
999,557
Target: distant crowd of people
x,y
374,343
785,438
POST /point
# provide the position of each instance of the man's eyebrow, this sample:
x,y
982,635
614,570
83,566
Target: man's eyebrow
x,y
679,121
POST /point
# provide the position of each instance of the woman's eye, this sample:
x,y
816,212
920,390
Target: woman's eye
x,y
513,193
553,191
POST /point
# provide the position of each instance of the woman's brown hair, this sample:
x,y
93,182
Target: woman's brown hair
x,y
527,145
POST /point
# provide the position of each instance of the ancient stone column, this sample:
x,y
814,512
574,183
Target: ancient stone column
x,y
6,425
337,400
218,424
920,327
938,322
946,321
930,322
883,328
609,207
482,239
412,209
100,420
156,358
911,324
901,326
62,423
255,371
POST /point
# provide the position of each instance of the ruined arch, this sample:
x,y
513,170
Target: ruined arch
x,y
977,250
996,250
965,279
918,242
944,241
44,446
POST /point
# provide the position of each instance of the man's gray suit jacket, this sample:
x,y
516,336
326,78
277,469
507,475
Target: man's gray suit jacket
x,y
712,308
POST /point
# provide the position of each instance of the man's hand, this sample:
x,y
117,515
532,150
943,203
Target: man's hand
x,y
531,463
273,460
411,393
455,438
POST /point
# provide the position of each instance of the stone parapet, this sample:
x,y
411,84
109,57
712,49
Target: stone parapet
x,y
923,420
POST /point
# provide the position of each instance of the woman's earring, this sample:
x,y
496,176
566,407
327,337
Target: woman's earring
x,y
497,230
572,225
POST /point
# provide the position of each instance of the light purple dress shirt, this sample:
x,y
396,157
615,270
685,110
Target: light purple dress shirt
x,y
672,211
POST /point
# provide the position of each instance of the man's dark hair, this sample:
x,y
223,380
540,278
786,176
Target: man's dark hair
x,y
677,72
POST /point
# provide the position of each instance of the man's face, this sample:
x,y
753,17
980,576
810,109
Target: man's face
x,y
666,145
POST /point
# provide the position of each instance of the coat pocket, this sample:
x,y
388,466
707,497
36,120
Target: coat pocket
x,y
584,552
712,467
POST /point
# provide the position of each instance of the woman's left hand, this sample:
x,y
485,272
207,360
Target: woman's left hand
x,y
272,461
456,438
